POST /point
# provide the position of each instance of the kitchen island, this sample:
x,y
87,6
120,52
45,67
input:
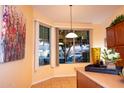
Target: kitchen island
x,y
87,79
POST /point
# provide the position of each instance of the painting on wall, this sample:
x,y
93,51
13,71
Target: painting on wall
x,y
12,34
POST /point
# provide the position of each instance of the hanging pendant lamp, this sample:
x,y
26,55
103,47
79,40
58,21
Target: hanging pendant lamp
x,y
71,34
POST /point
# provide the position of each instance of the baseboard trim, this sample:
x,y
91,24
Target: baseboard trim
x,y
51,78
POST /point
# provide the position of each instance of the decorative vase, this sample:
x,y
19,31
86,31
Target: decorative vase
x,y
110,65
96,55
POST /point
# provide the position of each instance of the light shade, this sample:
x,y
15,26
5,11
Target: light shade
x,y
71,35
60,43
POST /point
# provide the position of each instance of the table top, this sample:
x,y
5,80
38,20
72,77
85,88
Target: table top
x,y
105,80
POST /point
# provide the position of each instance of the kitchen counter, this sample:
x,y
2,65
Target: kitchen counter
x,y
87,79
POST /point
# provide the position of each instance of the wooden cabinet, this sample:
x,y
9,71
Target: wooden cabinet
x,y
120,49
110,37
115,39
119,34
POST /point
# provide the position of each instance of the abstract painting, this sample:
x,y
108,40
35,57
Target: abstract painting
x,y
12,34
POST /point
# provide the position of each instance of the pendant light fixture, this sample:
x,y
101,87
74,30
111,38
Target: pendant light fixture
x,y
71,34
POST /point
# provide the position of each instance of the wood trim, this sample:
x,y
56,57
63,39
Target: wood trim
x,y
57,47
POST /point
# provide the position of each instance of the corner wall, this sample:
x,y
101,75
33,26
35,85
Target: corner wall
x,y
46,72
108,21
43,72
97,36
22,73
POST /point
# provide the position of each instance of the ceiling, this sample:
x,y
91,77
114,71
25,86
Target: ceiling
x,y
80,13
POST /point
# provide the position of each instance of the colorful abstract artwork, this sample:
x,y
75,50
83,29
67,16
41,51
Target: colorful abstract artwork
x,y
12,35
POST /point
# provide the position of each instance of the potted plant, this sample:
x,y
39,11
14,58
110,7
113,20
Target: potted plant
x,y
117,20
110,57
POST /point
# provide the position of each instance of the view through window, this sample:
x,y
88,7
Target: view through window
x,y
44,45
71,50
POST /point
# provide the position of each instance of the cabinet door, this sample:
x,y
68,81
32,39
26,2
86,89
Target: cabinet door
x,y
119,33
120,49
110,37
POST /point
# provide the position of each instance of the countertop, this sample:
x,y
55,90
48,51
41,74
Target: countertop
x,y
105,80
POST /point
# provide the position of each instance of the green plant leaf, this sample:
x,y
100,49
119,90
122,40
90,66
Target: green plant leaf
x,y
118,19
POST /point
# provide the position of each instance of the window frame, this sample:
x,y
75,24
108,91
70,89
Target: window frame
x,y
90,43
37,28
